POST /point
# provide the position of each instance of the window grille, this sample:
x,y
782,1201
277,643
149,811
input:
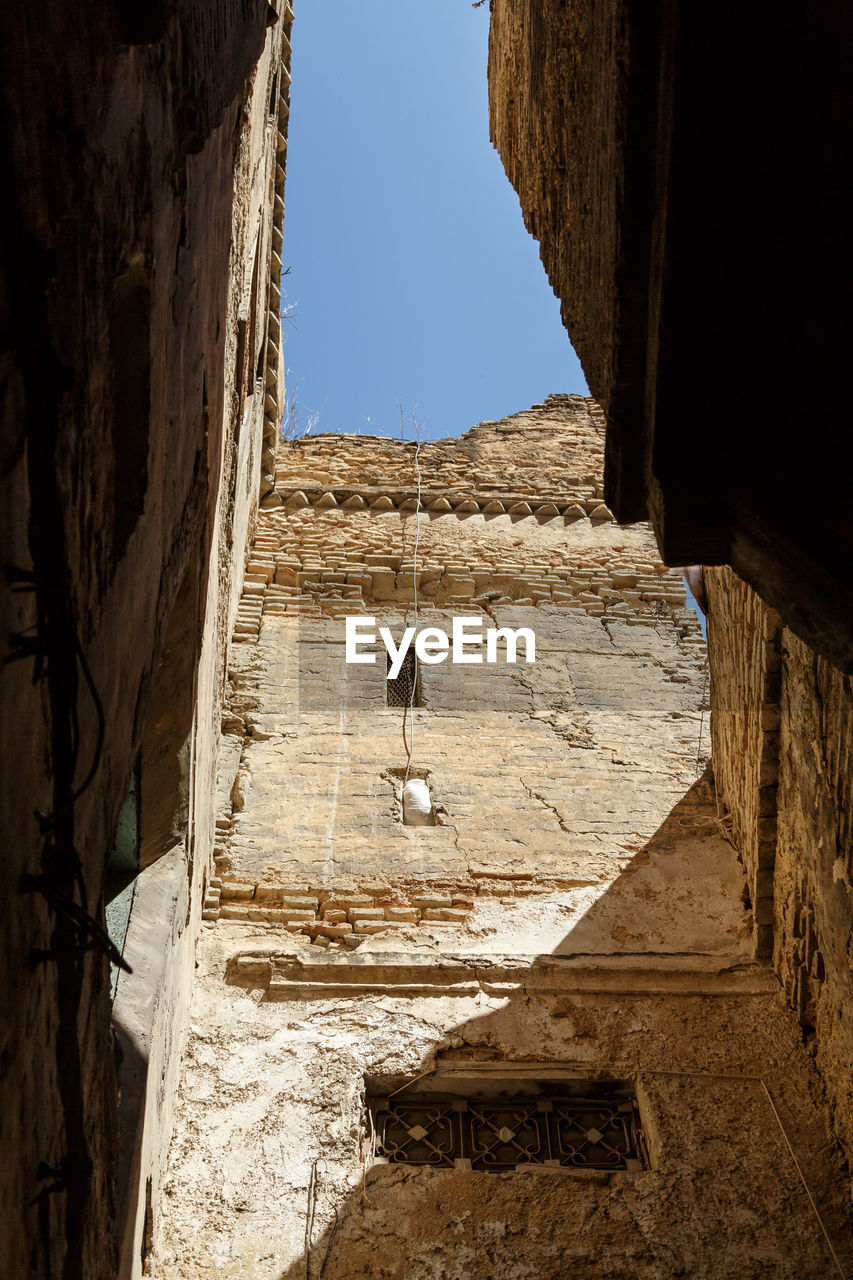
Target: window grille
x,y
499,1134
399,690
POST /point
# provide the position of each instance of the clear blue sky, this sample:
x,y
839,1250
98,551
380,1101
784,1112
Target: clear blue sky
x,y
412,276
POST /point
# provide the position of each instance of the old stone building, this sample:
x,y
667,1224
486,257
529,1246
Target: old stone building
x,y
716,348
606,988
684,169
571,922
144,148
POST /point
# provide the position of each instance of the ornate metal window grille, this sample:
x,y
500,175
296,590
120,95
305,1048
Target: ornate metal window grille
x,y
399,690
497,1135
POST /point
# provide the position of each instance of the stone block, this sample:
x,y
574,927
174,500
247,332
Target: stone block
x,y
280,891
300,903
401,915
763,884
384,583
382,559
763,911
766,853
432,901
346,902
371,926
767,801
365,913
228,912
446,914
767,829
238,891
339,890
375,888
334,917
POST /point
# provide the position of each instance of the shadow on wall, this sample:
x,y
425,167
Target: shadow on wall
x,y
680,894
722,1196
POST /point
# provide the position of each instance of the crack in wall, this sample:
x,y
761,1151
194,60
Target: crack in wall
x,y
536,795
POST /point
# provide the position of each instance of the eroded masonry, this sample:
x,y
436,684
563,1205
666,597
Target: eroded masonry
x,y
536,1033
592,1017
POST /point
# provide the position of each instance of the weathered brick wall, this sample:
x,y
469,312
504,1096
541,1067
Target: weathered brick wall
x,y
744,637
813,950
551,738
576,903
782,731
556,121
606,116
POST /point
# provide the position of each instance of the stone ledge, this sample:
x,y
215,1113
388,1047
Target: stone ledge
x,y
289,975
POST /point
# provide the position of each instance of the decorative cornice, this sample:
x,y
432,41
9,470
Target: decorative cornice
x,y
436,502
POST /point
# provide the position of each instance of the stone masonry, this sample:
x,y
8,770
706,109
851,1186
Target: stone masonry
x,y
782,719
577,910
554,770
144,150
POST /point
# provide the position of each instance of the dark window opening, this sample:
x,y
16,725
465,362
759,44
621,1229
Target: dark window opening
x,y
579,1124
399,690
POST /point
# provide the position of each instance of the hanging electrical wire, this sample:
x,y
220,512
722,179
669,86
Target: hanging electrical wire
x,y
410,708
417,805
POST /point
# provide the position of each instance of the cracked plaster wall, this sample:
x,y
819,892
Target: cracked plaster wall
x,y
271,1105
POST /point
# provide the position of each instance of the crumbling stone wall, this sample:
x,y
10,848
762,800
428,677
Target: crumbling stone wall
x,y
141,160
814,871
577,903
745,667
781,725
556,119
561,744
271,1179
639,181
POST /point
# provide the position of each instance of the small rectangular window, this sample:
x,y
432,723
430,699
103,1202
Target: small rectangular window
x,y
399,690
592,1125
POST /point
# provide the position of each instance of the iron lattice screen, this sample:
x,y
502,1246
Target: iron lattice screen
x,y
399,690
496,1135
